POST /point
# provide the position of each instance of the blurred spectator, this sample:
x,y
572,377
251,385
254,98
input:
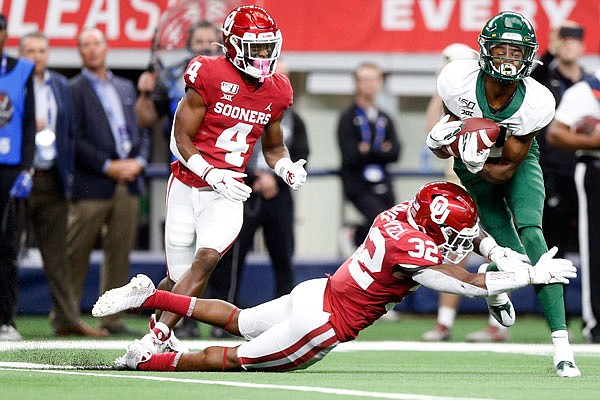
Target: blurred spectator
x,y
368,143
576,126
111,152
271,207
561,69
17,147
162,88
48,205
448,303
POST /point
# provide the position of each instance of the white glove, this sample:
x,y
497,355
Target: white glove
x,y
509,254
552,270
443,133
293,173
223,181
473,159
547,270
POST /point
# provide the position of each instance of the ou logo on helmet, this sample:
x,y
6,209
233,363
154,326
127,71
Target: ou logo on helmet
x,y
439,210
228,23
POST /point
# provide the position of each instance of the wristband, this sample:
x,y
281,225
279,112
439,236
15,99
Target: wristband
x,y
486,245
282,164
198,165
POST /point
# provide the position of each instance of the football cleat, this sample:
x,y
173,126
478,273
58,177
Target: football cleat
x,y
502,309
439,333
567,369
136,354
132,295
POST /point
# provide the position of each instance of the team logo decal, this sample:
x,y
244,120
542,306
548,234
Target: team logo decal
x,y
268,108
6,109
229,90
439,210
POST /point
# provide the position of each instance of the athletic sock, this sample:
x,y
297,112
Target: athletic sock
x,y
175,303
562,348
446,316
160,362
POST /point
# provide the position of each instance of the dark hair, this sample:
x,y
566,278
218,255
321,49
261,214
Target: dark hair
x,y
199,25
2,21
575,32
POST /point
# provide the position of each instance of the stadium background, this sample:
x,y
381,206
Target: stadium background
x,y
323,43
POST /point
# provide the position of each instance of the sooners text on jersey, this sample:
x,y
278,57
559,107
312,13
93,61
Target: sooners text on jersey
x,y
358,292
236,114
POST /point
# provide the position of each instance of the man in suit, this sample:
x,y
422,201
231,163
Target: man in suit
x,y
111,152
17,132
53,169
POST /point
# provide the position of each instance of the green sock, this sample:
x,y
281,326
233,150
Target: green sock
x,y
551,297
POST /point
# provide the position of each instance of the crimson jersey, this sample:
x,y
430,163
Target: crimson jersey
x,y
358,292
236,114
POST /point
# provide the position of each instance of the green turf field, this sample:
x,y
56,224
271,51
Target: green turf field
x,y
371,367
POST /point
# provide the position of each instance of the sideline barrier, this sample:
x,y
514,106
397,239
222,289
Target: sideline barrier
x,y
34,296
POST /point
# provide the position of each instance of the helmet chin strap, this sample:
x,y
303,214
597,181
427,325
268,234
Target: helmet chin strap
x,y
263,66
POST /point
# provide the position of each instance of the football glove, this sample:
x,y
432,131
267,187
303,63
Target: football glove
x,y
21,187
510,254
547,270
443,133
293,173
473,159
225,183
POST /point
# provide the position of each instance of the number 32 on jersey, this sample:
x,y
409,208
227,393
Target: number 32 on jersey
x,y
374,263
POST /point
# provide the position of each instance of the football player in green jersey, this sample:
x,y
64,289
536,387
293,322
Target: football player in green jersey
x,y
506,180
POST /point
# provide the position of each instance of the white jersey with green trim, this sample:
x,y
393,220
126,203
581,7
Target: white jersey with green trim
x,y
460,85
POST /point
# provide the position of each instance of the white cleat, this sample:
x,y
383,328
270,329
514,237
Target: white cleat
x,y
502,309
132,295
567,369
136,355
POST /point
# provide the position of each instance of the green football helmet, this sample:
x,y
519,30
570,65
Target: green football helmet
x,y
510,28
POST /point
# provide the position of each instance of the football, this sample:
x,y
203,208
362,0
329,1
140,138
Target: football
x,y
586,125
487,133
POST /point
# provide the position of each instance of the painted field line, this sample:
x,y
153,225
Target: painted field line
x,y
517,348
307,389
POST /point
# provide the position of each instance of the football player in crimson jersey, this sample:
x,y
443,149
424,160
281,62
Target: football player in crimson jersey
x,y
506,181
230,102
413,243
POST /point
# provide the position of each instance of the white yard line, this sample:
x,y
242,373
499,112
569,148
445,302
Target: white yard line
x,y
518,348
343,392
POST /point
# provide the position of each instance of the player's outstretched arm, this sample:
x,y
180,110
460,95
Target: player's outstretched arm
x,y
513,275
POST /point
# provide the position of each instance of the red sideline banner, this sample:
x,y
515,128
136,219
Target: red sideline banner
x,y
307,25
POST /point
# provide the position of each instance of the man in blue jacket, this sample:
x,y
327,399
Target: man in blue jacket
x,y
111,152
17,131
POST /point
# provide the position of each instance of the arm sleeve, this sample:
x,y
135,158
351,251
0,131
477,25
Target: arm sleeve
x,y
440,282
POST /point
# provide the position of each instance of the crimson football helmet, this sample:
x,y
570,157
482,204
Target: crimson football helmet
x,y
252,41
448,214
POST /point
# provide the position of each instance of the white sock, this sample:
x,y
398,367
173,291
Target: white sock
x,y
446,316
562,348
